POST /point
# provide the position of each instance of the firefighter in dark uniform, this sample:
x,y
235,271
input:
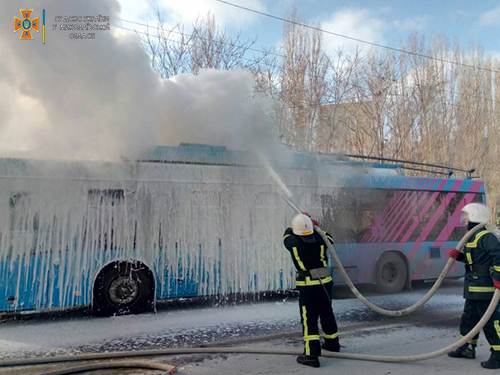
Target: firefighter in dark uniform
x,y
481,256
309,255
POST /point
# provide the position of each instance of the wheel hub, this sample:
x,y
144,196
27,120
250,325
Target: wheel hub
x,y
123,291
389,272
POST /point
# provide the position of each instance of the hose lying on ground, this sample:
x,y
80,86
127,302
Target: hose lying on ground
x,y
240,350
287,198
170,370
413,307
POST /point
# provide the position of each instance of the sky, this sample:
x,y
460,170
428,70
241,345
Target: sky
x,y
100,99
383,21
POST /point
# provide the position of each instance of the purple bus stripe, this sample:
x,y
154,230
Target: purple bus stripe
x,y
420,201
396,212
476,185
413,208
398,201
425,181
380,219
367,261
388,211
436,182
409,199
446,232
428,227
406,211
439,212
395,202
430,182
435,217
424,210
425,201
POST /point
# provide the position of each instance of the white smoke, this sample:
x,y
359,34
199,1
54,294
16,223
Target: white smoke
x,y
100,99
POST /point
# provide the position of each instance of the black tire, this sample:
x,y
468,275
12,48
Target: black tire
x,y
123,288
391,273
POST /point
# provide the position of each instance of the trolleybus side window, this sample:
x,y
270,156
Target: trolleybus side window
x,y
372,212
459,231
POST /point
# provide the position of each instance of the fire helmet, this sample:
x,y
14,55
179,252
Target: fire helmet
x,y
302,225
476,213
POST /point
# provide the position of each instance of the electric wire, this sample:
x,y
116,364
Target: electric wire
x,y
355,39
255,61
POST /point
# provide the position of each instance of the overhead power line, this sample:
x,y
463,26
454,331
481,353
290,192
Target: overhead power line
x,y
356,39
254,61
257,61
202,38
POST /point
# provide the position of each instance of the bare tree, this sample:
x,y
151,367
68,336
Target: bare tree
x,y
336,119
174,51
397,105
304,84
169,48
212,47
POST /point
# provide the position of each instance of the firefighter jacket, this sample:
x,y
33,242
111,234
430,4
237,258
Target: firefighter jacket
x,y
307,256
481,256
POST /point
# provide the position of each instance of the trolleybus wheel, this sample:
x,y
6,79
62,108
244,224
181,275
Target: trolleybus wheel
x,y
123,288
391,273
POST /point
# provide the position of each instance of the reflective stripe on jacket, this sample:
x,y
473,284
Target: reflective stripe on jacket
x,y
482,251
307,256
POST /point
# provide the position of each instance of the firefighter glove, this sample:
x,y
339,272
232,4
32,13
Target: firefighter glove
x,y
454,253
496,284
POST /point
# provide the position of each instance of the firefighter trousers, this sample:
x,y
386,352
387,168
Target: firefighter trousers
x,y
314,303
473,312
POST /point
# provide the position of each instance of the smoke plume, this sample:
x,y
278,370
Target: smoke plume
x,y
100,99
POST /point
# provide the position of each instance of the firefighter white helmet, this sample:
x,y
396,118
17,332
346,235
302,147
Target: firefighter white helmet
x,y
476,213
302,225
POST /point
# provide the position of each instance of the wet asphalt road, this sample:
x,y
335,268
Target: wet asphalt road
x,y
353,324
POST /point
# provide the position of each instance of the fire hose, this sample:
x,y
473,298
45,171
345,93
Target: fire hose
x,y
288,198
380,310
241,350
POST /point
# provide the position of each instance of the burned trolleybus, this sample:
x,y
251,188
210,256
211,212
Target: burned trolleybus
x,y
199,220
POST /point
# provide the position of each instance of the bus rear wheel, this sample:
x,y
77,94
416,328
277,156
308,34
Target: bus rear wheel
x,y
123,288
391,273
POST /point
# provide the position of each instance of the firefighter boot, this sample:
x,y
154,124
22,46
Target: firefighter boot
x,y
331,345
465,351
493,362
308,360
